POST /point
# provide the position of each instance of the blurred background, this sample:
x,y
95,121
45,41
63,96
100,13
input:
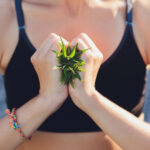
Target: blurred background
x,y
2,97
147,97
146,107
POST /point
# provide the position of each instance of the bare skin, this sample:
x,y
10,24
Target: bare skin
x,y
102,25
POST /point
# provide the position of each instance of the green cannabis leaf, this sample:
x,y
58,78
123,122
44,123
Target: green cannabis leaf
x,y
69,62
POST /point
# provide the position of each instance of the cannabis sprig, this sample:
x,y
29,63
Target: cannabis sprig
x,y
69,62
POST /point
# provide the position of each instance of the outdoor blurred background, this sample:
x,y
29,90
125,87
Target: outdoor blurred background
x,y
146,104
147,97
2,97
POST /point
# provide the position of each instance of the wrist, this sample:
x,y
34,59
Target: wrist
x,y
92,101
83,91
86,98
50,103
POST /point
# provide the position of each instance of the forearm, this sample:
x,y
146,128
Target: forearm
x,y
124,128
31,115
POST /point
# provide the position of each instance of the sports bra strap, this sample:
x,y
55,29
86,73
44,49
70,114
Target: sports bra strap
x,y
129,7
20,17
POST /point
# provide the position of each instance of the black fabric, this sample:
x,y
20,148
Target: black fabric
x,y
120,79
19,13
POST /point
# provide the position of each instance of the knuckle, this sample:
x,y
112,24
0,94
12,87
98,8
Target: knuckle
x,y
52,39
99,54
100,59
32,59
53,36
36,59
93,56
82,35
97,57
56,38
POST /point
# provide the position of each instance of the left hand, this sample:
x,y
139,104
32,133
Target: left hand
x,y
93,59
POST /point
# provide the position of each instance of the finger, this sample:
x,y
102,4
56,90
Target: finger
x,y
84,36
86,56
56,44
81,46
51,44
47,44
90,43
43,45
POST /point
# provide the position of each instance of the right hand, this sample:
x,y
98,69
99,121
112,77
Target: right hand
x,y
44,61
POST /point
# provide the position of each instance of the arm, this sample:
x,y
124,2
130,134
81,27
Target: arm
x,y
141,17
7,134
29,116
6,14
124,128
32,114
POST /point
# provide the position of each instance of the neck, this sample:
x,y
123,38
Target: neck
x,y
75,7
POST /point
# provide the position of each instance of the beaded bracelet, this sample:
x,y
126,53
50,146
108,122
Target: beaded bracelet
x,y
14,124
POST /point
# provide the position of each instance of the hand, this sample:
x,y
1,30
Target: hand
x,y
44,61
93,58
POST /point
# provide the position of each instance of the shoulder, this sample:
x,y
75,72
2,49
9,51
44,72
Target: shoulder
x,y
141,14
6,16
6,13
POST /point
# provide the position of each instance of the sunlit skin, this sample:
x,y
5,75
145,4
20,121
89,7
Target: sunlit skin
x,y
92,23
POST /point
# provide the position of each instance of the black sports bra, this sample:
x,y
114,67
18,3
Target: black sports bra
x,y
120,78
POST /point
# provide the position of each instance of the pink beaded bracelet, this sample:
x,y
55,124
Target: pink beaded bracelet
x,y
14,124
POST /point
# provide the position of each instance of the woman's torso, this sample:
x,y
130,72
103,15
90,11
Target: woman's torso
x,y
102,25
